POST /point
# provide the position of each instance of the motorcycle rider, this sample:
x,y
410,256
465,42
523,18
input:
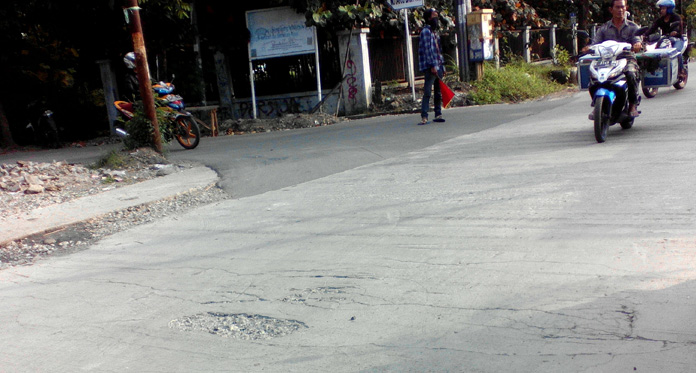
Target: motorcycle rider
x,y
620,29
664,23
132,84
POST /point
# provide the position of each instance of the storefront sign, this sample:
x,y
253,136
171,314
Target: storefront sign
x,y
278,32
405,4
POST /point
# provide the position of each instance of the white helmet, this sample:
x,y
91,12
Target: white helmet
x,y
129,60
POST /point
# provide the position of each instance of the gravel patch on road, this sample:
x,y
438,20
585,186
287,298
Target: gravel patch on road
x,y
238,326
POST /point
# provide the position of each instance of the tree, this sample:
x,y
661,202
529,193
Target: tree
x,y
48,60
689,12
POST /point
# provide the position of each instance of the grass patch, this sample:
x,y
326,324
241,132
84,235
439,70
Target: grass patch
x,y
515,82
108,180
112,160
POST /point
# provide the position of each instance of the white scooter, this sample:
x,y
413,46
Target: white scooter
x,y
608,87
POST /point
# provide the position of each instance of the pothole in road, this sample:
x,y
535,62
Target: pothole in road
x,y
320,294
238,326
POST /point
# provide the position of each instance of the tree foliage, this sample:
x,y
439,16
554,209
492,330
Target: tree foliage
x,y
50,51
172,9
509,14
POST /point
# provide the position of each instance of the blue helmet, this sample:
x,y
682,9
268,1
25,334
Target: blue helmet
x,y
669,4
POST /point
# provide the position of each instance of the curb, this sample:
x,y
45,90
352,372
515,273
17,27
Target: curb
x,y
89,207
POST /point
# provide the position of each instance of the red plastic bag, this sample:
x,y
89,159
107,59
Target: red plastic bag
x,y
447,94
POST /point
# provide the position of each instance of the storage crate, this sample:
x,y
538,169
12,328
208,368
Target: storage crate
x,y
584,70
660,67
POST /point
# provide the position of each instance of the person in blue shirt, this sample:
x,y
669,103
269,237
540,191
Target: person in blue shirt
x,y
431,62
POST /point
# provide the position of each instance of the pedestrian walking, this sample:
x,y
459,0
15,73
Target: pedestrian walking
x,y
431,62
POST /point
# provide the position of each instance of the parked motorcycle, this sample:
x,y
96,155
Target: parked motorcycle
x,y
44,130
608,87
657,45
184,126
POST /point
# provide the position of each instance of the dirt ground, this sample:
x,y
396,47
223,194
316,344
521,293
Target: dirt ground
x,y
394,99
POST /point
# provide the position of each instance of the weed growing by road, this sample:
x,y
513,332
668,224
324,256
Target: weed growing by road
x,y
515,82
113,160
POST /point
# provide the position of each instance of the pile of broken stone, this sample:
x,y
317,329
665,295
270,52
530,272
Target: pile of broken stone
x,y
26,185
34,178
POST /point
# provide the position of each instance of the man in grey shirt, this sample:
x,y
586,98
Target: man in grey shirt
x,y
620,29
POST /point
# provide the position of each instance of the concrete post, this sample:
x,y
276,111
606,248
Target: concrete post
x,y
526,40
357,82
496,49
110,91
552,42
575,39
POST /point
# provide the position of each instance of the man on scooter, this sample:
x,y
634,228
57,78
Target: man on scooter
x,y
665,23
620,29
132,85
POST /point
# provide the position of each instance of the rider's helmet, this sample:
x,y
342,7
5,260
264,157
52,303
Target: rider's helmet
x,y
669,4
129,60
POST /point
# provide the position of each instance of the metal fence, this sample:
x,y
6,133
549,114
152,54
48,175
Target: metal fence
x,y
388,61
537,45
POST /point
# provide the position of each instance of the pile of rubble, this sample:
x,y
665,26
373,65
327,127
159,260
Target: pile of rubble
x,y
286,122
26,185
34,178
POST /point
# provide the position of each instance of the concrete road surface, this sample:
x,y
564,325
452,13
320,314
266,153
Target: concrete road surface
x,y
526,247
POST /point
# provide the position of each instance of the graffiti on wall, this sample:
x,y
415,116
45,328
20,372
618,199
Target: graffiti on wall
x,y
271,108
274,107
351,80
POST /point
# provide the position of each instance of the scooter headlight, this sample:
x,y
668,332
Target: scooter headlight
x,y
606,53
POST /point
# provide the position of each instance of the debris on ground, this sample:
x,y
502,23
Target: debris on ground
x,y
286,122
25,185
398,99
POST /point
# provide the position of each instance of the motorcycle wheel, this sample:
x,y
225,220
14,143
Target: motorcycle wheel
x,y
627,124
649,92
187,132
681,83
601,118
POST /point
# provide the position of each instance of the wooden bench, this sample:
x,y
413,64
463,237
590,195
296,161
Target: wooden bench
x,y
213,127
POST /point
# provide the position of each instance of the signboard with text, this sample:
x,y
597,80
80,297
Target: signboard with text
x,y
278,32
480,35
405,4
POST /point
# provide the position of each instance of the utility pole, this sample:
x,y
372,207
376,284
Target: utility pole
x,y
463,8
132,13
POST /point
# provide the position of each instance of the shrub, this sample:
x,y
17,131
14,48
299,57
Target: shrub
x,y
112,160
515,82
140,130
